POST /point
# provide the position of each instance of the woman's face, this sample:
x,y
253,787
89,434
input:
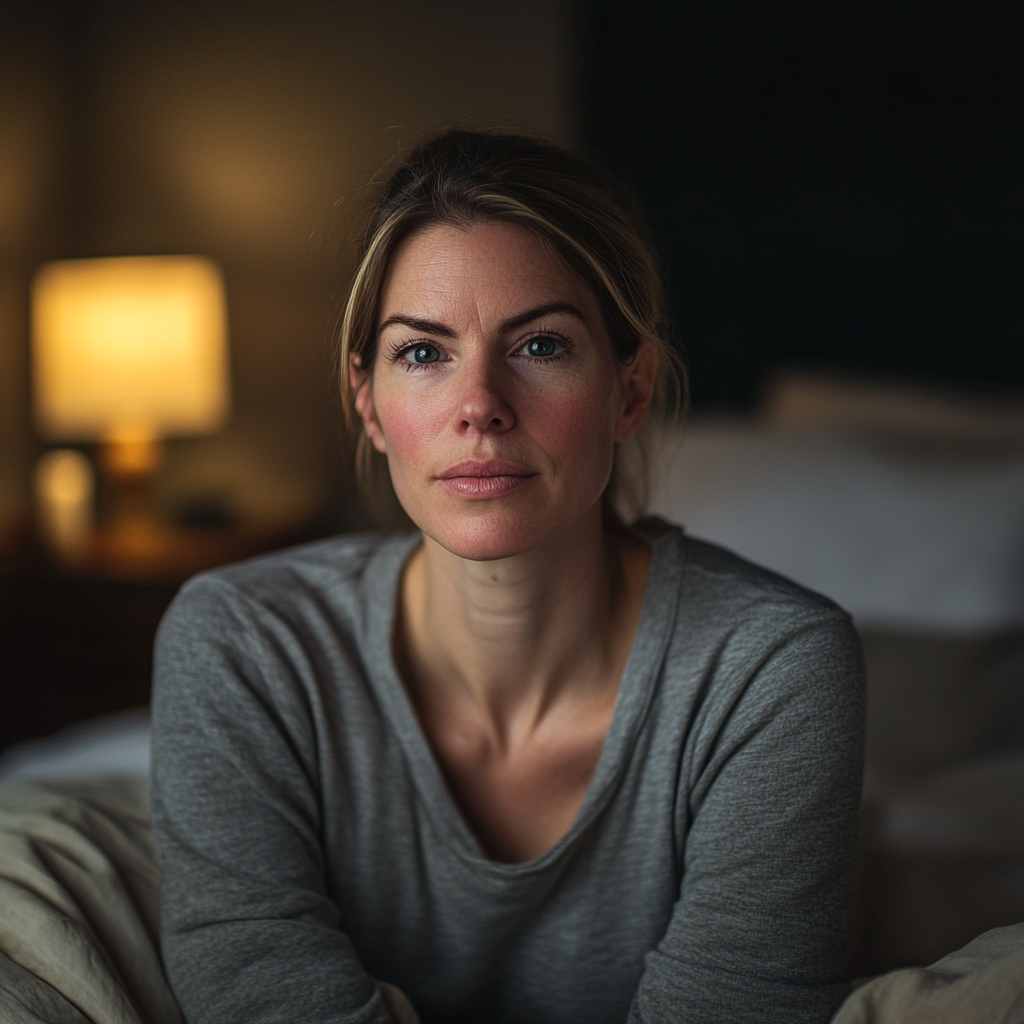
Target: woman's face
x,y
494,391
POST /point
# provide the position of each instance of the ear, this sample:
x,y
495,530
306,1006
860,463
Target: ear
x,y
362,387
638,379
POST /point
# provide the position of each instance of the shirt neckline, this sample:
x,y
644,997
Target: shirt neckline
x,y
636,689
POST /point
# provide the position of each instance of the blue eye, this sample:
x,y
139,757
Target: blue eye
x,y
541,347
425,354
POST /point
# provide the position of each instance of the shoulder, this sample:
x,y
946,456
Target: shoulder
x,y
757,662
727,585
284,627
335,561
734,621
337,576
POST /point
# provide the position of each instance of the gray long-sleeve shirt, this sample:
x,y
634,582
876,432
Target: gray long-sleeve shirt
x,y
308,842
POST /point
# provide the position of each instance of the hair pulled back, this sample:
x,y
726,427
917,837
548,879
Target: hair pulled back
x,y
591,222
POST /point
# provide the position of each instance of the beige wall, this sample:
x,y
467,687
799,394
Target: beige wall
x,y
233,129
30,158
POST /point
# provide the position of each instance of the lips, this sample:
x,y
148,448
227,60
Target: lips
x,y
488,478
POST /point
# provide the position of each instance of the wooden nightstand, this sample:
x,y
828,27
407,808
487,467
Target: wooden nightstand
x,y
77,643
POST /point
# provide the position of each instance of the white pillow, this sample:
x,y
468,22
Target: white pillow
x,y
898,534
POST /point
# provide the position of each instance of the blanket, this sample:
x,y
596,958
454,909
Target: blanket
x,y
983,983
79,905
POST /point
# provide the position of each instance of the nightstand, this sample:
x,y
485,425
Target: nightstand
x,y
78,643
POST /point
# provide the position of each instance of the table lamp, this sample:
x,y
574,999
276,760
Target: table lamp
x,y
127,351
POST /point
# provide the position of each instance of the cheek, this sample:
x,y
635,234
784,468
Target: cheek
x,y
577,427
410,427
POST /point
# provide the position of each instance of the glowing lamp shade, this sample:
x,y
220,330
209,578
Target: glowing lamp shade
x,y
129,348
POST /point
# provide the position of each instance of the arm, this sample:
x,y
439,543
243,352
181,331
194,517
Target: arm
x,y
249,932
760,931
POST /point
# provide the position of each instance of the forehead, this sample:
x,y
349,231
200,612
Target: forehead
x,y
486,264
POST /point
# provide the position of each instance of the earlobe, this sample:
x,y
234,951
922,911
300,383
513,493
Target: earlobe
x,y
362,386
638,383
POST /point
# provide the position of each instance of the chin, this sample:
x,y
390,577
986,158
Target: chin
x,y
486,538
486,531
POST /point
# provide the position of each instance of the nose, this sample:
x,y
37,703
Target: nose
x,y
483,405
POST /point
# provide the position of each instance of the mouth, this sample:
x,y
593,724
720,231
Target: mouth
x,y
488,478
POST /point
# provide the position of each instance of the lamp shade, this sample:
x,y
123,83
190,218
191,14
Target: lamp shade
x,y
129,347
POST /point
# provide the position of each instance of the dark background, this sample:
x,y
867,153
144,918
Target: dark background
x,y
833,185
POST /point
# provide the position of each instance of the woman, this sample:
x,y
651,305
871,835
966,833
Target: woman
x,y
524,764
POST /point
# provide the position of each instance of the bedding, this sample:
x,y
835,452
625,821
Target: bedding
x,y
983,983
113,744
79,898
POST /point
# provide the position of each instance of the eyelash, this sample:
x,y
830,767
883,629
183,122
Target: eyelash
x,y
565,341
398,349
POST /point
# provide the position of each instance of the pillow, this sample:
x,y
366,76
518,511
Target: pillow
x,y
898,531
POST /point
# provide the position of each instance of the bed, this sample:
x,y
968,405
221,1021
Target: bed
x,y
908,510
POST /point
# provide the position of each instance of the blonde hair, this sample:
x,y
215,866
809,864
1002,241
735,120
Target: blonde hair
x,y
591,222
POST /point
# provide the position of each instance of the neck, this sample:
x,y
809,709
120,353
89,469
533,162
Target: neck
x,y
506,640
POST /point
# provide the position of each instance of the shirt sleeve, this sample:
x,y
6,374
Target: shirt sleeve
x,y
761,929
249,932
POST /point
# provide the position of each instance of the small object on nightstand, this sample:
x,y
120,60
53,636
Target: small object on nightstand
x,y
65,486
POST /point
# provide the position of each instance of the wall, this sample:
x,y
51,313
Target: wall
x,y
30,158
834,185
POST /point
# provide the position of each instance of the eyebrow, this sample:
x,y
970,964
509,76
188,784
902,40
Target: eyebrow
x,y
522,319
418,324
519,320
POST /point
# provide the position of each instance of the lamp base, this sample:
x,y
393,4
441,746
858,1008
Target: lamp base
x,y
132,542
129,468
